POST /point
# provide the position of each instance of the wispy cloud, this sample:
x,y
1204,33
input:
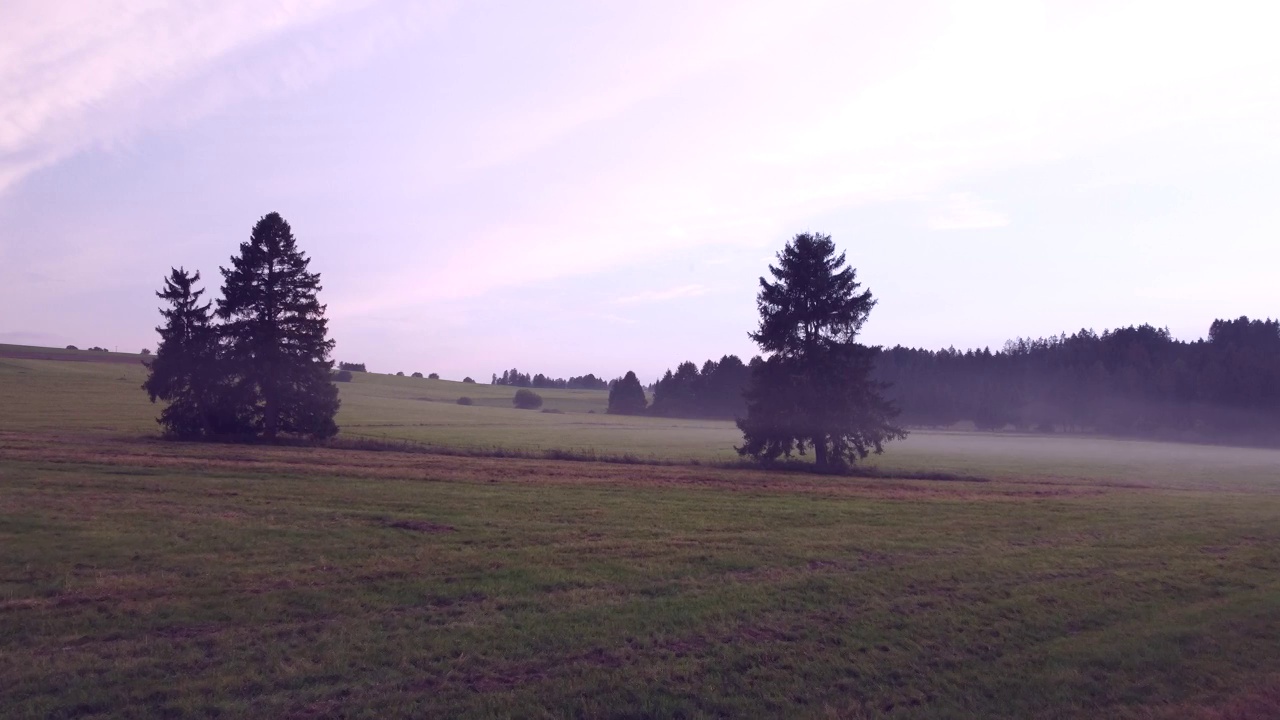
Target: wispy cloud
x,y
966,211
77,75
654,296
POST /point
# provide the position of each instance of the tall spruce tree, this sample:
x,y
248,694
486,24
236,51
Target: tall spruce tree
x,y
276,334
814,390
184,371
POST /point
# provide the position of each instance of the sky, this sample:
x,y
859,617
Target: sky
x,y
596,186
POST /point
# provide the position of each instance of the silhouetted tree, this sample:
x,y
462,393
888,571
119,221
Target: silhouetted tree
x,y
276,334
626,397
417,375
185,372
815,388
468,380
433,376
526,399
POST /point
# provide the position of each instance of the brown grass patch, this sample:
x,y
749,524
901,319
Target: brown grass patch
x,y
147,454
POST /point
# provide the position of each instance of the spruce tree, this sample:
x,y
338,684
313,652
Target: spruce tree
x,y
814,390
626,397
184,372
277,336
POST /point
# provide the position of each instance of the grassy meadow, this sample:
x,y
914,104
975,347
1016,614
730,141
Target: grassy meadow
x,y
1067,577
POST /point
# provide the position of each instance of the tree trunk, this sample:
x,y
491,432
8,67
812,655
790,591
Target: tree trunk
x,y
820,451
271,405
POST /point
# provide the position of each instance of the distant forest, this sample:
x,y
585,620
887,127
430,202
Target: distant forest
x,y
1135,381
515,378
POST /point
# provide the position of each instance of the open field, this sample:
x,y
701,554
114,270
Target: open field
x,y
87,397
1079,578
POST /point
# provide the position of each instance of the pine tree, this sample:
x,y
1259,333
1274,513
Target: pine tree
x,y
185,372
815,388
626,397
276,334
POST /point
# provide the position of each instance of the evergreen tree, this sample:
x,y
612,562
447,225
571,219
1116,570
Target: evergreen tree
x,y
276,334
815,389
185,372
626,397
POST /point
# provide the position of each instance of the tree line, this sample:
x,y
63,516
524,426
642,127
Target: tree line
x,y
258,364
515,378
1136,381
1132,381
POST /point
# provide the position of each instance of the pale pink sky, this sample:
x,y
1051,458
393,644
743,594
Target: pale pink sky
x,y
595,186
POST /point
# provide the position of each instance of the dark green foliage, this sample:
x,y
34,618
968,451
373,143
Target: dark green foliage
x,y
828,404
715,391
526,399
468,380
432,376
400,374
354,367
276,335
814,391
144,351
417,375
72,347
515,378
626,397
464,400
1134,381
185,372
342,376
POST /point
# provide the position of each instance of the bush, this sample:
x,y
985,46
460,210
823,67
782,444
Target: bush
x,y
72,347
468,380
342,376
464,400
417,375
399,374
433,376
145,351
526,399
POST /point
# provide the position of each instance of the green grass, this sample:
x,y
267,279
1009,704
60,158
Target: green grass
x,y
1086,578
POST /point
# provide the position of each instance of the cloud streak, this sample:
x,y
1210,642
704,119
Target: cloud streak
x,y
966,211
657,296
84,74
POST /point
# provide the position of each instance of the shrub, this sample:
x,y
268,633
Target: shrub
x,y
417,375
464,400
342,376
145,351
72,347
526,399
468,380
433,376
400,374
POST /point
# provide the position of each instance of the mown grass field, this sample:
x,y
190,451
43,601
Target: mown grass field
x,y
1074,578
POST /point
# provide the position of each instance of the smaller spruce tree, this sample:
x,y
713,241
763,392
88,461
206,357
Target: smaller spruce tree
x,y
626,397
185,372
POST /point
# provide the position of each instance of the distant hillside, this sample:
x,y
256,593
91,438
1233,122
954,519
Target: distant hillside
x,y
32,352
